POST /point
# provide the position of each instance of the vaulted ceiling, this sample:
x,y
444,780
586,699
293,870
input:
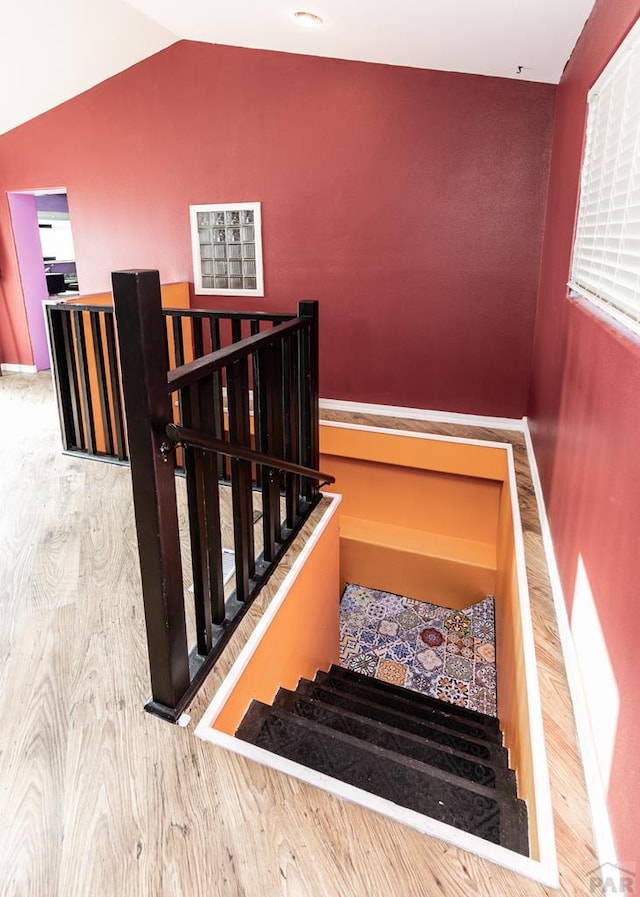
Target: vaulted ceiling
x,y
50,52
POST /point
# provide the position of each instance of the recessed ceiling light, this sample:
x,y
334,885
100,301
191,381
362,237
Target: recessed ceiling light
x,y
308,18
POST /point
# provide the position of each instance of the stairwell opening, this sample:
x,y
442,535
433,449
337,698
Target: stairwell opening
x,y
423,517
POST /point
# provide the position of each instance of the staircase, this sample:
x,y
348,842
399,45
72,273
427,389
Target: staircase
x,y
438,759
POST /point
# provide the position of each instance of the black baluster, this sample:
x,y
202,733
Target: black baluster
x,y
85,387
103,394
198,338
254,326
290,403
65,376
309,386
272,381
239,432
178,339
213,537
114,380
218,400
193,465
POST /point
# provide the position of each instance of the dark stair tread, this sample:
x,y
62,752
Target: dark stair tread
x,y
472,716
266,712
418,748
404,781
476,747
434,711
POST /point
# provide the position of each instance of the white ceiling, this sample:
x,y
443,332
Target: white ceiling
x,y
51,51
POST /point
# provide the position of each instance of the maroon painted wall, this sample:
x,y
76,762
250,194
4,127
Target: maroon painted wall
x,y
409,202
585,421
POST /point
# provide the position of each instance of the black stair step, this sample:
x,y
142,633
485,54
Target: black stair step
x,y
409,783
417,748
432,711
472,716
476,747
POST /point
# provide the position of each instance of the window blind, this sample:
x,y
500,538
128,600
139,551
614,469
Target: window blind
x,y
606,254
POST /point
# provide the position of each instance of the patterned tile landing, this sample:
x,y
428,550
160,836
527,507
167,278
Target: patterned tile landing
x,y
437,651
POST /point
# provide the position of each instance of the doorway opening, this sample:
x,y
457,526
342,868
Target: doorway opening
x,y
46,257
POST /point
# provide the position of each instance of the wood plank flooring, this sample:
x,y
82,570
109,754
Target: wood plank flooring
x,y
99,799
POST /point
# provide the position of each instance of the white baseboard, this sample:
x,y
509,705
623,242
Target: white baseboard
x,y
19,368
602,833
443,417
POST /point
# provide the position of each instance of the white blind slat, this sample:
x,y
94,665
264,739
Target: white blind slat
x,y
606,255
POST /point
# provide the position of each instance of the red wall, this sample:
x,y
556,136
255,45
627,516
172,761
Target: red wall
x,y
585,421
409,202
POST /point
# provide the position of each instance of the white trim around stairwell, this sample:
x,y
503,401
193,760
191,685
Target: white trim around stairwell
x,y
433,437
603,835
203,729
515,424
18,368
545,829
441,417
544,870
515,862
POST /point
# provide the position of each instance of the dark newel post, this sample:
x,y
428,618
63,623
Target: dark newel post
x,y
143,360
309,308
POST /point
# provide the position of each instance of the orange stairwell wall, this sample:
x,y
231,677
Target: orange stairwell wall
x,y
303,637
419,517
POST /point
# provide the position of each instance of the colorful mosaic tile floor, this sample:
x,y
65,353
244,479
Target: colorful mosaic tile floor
x,y
440,652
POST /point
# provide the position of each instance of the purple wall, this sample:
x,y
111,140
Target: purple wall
x,y
24,221
52,202
61,267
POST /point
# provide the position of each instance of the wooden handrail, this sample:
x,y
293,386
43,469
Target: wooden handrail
x,y
280,317
184,436
195,370
278,367
74,305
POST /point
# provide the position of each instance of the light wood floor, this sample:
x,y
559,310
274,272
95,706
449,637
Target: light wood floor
x,y
99,799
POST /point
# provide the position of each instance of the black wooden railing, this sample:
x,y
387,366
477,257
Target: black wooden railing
x,y
87,374
266,445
